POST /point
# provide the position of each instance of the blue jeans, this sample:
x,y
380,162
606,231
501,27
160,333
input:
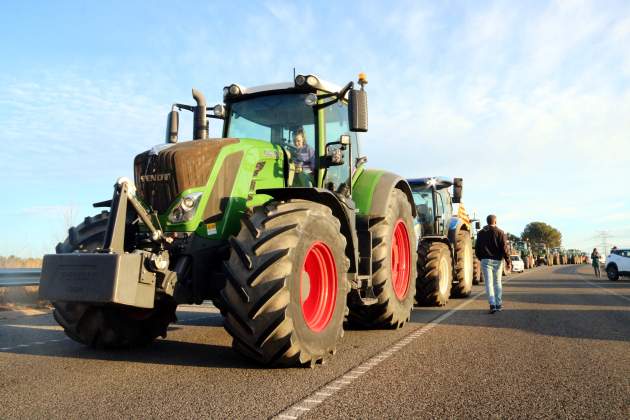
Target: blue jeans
x,y
492,273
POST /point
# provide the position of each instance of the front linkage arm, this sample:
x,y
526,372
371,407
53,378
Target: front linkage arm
x,y
124,192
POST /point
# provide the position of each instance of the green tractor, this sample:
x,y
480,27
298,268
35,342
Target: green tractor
x,y
279,223
445,252
544,256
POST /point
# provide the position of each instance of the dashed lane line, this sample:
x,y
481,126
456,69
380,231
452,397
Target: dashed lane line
x,y
58,340
329,389
33,344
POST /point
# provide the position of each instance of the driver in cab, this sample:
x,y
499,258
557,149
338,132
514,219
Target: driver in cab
x,y
303,158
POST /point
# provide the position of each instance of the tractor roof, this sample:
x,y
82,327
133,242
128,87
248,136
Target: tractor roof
x,y
439,182
321,85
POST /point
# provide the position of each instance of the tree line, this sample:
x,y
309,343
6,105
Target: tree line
x,y
16,262
539,233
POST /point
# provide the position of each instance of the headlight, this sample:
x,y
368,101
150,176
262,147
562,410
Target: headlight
x,y
185,208
235,90
300,80
312,81
311,99
226,91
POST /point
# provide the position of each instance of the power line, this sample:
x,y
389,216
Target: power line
x,y
603,236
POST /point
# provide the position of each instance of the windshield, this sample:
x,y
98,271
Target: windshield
x,y
273,118
515,258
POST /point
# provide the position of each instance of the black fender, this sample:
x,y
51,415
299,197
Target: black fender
x,y
382,192
339,209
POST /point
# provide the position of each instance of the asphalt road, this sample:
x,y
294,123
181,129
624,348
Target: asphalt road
x,y
560,349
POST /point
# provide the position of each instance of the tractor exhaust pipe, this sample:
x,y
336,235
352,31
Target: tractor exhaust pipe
x,y
200,125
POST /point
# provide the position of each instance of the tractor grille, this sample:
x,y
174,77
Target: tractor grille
x,y
161,177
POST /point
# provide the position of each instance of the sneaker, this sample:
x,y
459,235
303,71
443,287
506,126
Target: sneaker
x,y
499,308
493,309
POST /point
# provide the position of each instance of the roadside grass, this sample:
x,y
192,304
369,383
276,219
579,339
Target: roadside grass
x,y
23,297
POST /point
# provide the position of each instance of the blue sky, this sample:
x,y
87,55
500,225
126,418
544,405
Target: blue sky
x,y
528,101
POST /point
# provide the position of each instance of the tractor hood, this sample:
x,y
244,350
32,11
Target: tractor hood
x,y
161,174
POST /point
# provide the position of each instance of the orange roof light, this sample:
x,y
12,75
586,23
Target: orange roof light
x,y
362,77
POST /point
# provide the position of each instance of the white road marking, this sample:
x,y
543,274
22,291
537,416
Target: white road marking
x,y
35,343
350,375
60,329
34,327
354,373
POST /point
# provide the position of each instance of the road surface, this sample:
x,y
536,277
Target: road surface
x,y
561,348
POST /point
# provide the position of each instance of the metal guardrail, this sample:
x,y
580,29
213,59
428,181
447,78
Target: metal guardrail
x,y
10,277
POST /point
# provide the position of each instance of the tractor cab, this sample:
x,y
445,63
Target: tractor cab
x,y
310,123
434,204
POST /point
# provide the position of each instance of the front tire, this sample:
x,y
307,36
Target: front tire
x,y
286,288
393,268
108,326
463,265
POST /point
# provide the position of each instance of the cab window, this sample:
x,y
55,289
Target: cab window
x,y
423,199
336,125
445,204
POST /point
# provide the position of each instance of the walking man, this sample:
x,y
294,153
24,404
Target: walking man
x,y
493,250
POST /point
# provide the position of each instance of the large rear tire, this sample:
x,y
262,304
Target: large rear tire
x,y
108,326
433,287
393,268
286,289
463,265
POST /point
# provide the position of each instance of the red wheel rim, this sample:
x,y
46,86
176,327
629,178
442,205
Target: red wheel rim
x,y
401,259
318,286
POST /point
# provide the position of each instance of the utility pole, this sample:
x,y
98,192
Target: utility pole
x,y
603,237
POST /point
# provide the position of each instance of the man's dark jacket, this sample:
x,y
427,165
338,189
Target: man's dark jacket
x,y
492,244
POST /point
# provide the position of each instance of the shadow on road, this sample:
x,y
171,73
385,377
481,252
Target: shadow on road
x,y
610,325
579,299
601,319
163,351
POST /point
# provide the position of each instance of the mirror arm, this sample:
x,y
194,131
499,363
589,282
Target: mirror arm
x,y
342,93
186,107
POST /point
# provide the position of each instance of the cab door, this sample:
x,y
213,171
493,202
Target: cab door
x,y
441,211
335,125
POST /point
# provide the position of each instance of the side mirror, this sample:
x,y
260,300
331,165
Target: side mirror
x,y
218,111
172,126
358,110
334,155
458,186
477,225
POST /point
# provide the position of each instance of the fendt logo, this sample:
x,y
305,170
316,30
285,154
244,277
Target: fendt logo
x,y
155,177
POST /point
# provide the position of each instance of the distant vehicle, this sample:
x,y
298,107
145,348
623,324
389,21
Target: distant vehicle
x,y
518,266
618,264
